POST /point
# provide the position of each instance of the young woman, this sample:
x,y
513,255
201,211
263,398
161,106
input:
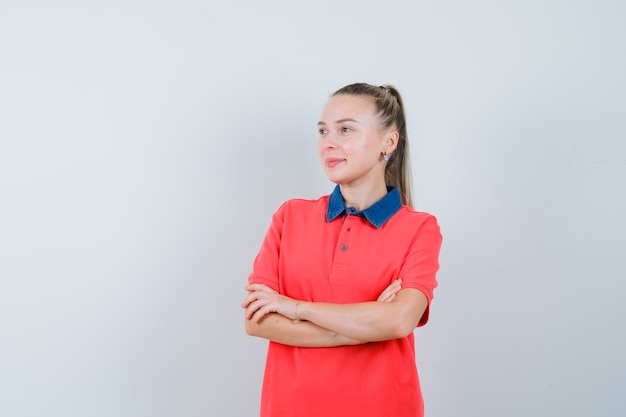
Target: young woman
x,y
341,282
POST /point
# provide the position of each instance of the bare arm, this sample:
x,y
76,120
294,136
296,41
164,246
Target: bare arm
x,y
371,321
282,328
365,322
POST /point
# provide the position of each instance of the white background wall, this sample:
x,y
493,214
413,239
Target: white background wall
x,y
145,144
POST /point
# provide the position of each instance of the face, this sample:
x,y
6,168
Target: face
x,y
351,141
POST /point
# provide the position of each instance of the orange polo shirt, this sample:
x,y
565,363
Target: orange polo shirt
x,y
319,250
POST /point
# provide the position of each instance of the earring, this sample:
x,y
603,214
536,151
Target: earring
x,y
385,156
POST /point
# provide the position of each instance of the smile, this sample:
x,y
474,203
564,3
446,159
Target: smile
x,y
332,162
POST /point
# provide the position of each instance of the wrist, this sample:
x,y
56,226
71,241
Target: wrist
x,y
295,316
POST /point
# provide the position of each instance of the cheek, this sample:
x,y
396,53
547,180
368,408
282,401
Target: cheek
x,y
320,150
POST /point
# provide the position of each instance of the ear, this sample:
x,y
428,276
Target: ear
x,y
390,142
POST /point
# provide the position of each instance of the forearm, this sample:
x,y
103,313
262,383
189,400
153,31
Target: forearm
x,y
280,329
370,321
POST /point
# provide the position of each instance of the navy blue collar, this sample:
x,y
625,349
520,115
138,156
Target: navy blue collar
x,y
377,214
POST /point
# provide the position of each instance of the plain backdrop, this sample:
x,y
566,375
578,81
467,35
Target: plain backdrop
x,y
144,146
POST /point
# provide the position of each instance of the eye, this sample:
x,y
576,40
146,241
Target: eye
x,y
345,129
322,131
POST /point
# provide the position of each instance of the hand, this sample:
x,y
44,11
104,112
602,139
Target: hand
x,y
390,292
262,300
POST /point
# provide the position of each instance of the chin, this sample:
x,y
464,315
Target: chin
x,y
337,179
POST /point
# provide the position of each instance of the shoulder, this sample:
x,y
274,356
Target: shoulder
x,y
408,218
409,214
301,206
304,204
299,215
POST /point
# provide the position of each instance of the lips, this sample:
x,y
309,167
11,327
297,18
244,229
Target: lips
x,y
333,162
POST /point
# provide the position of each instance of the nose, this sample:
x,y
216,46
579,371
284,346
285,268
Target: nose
x,y
329,141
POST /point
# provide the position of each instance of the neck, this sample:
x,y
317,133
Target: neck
x,y
362,198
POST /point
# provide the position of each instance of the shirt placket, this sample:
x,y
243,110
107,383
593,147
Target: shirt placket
x,y
343,249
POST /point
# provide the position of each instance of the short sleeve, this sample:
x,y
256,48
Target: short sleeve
x,y
265,266
421,264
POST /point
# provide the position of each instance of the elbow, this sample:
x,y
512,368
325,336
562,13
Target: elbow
x,y
405,324
250,327
402,329
407,314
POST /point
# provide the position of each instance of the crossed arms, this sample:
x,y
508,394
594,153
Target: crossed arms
x,y
271,316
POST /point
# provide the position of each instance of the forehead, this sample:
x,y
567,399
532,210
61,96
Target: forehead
x,y
348,106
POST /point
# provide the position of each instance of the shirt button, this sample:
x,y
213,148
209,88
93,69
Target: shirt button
x,y
344,247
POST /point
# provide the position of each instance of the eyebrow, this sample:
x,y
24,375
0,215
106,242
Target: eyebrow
x,y
347,119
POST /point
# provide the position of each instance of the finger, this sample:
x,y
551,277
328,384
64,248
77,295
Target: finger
x,y
383,296
391,289
246,300
261,312
252,296
258,295
253,308
260,287
260,307
386,292
395,286
388,298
